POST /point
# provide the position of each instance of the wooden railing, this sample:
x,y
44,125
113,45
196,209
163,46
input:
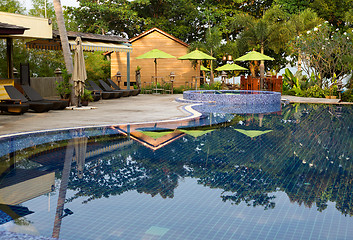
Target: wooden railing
x,y
272,83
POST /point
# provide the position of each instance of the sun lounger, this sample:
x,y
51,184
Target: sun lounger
x,y
34,96
35,106
106,87
13,106
115,86
105,94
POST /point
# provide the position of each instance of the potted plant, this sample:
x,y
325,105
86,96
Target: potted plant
x,y
64,88
86,97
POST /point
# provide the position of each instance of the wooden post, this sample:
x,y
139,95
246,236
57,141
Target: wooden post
x,y
9,47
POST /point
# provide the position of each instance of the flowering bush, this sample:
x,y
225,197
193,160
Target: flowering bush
x,y
326,53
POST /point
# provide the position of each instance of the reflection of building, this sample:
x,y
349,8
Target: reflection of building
x,y
154,142
24,185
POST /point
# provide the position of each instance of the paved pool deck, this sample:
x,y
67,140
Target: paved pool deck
x,y
141,108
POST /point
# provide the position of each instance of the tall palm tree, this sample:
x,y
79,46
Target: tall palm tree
x,y
211,45
265,32
64,41
301,23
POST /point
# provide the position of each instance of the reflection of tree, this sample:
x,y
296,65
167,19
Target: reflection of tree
x,y
305,160
242,184
307,155
119,171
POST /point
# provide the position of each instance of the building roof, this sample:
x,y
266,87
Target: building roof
x,y
92,37
35,27
161,32
6,29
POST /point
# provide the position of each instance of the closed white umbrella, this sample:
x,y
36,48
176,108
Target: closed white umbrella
x,y
79,74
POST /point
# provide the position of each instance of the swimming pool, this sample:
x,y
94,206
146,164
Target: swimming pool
x,y
281,175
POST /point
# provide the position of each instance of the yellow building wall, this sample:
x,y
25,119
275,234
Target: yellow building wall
x,y
183,69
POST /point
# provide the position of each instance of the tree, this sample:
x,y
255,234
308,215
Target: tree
x,y
12,6
292,6
333,11
211,45
179,18
300,23
266,32
64,42
114,16
326,52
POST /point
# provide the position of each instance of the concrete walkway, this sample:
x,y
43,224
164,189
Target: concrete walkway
x,y
294,99
141,108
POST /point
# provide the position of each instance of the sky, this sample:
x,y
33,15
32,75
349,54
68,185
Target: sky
x,y
28,3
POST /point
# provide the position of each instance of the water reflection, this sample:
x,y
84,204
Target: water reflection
x,y
77,145
305,152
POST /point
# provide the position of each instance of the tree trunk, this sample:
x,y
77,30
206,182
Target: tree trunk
x,y
65,44
299,62
211,72
262,69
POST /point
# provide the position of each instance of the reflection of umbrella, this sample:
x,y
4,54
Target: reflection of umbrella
x,y
253,133
156,135
230,67
9,212
155,53
254,56
79,75
195,133
80,153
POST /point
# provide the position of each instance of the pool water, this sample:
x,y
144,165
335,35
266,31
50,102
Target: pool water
x,y
282,175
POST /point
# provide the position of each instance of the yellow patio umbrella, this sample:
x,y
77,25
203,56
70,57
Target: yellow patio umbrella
x,y
155,54
79,74
231,67
196,55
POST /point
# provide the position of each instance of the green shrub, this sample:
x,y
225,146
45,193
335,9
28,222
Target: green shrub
x,y
87,95
347,96
315,91
331,91
64,87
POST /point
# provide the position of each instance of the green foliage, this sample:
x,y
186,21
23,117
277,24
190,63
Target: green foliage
x,y
333,11
213,86
331,91
297,83
97,66
87,96
347,96
315,91
180,89
292,6
12,6
64,87
326,52
42,62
